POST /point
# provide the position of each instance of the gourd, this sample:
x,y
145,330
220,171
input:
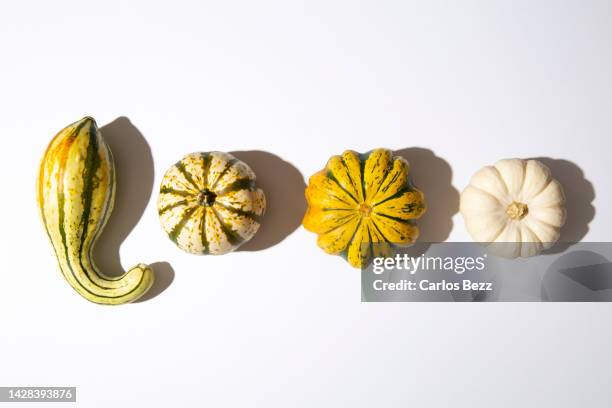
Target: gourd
x,y
363,205
76,193
515,207
209,203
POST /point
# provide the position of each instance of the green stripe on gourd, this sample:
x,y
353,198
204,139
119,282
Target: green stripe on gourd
x,y
75,192
359,200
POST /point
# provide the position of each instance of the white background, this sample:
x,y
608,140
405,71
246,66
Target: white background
x,y
471,82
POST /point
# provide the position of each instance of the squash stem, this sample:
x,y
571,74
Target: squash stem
x,y
517,211
207,198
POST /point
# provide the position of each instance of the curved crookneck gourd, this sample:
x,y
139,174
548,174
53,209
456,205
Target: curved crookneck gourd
x,y
363,205
209,203
76,193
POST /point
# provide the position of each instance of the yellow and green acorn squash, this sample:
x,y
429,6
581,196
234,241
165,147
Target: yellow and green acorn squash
x,y
363,205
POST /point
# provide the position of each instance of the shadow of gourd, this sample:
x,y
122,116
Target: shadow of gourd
x,y
433,176
579,196
134,174
283,186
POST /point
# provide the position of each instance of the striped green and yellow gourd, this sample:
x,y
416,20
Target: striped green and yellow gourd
x,y
362,206
76,193
209,204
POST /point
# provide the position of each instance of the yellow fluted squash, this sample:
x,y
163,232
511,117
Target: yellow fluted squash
x,y
76,193
363,205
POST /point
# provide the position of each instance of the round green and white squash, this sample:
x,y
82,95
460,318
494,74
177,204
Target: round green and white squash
x,y
209,203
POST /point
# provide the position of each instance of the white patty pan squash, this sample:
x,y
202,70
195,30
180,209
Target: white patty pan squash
x,y
515,204
209,204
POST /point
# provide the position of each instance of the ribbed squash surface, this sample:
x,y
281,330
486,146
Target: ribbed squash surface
x,y
363,205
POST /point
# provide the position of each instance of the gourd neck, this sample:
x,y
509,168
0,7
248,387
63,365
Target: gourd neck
x,y
517,211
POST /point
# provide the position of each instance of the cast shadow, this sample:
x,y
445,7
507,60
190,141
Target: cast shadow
x,y
579,195
433,176
284,187
134,174
164,275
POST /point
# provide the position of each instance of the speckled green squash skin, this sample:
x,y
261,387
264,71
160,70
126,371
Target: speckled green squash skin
x,y
209,204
